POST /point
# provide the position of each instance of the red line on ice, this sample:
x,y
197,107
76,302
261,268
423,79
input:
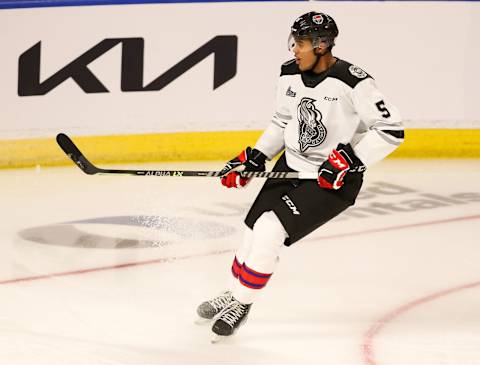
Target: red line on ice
x,y
404,226
161,260
107,268
367,345
373,331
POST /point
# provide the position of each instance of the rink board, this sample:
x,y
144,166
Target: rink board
x,y
197,146
122,90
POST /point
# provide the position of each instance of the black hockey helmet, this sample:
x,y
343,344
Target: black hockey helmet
x,y
314,26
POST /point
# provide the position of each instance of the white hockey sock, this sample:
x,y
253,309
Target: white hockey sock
x,y
268,238
240,255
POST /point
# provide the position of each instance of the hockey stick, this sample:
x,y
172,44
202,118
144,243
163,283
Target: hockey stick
x,y
72,151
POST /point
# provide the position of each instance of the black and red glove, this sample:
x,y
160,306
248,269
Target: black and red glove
x,y
340,161
251,159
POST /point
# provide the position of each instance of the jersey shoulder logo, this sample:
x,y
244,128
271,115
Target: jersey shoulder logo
x,y
312,132
357,72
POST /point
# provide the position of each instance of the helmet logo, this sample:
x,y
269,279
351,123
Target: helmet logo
x,y
312,132
317,19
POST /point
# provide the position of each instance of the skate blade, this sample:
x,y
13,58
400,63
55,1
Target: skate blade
x,y
217,338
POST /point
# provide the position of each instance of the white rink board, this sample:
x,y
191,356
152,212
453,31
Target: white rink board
x,y
427,69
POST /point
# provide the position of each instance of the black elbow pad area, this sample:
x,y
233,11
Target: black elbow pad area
x,y
396,134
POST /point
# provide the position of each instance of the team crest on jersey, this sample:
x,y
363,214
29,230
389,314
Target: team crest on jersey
x,y
357,71
312,132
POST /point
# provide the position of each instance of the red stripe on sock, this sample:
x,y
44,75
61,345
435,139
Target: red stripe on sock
x,y
249,285
255,273
253,279
236,268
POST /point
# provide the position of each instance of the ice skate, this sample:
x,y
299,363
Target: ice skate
x,y
209,309
229,320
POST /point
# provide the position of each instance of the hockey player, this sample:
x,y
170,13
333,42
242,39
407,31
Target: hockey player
x,y
330,118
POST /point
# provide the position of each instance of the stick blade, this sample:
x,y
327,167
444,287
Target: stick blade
x,y
72,151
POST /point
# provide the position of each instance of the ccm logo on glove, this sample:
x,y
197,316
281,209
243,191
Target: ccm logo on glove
x,y
340,161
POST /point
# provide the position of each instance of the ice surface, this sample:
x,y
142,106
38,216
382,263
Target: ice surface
x,y
109,270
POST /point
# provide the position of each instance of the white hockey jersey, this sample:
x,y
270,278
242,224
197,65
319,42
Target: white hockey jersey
x,y
316,112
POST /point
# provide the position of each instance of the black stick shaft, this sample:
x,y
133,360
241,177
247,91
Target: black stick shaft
x,y
72,151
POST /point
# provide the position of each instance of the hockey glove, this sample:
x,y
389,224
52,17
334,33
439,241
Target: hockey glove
x,y
251,159
340,161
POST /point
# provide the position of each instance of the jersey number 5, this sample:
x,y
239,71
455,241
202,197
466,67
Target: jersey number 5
x,y
381,107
